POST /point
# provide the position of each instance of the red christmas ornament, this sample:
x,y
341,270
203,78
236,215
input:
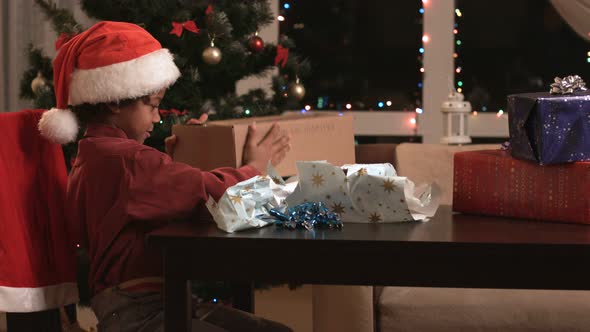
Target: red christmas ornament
x,y
256,44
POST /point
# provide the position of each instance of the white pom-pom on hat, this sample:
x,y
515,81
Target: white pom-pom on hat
x,y
59,125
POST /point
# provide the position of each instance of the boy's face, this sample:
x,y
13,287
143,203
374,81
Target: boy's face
x,y
137,119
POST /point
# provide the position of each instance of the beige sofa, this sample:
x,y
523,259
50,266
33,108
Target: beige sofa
x,y
368,309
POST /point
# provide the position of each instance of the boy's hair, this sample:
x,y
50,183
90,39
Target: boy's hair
x,y
96,113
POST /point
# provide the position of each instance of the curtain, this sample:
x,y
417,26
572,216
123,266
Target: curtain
x,y
576,13
21,23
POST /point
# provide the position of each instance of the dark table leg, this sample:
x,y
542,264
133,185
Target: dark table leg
x,y
177,295
243,296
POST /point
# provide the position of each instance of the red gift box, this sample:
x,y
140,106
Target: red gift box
x,y
491,182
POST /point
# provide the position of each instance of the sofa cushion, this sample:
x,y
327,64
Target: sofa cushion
x,y
375,153
453,309
343,308
425,163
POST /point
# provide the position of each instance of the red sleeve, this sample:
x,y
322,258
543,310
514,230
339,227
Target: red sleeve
x,y
160,188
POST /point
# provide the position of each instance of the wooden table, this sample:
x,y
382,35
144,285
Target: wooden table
x,y
451,250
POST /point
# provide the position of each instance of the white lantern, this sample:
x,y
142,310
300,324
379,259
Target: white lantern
x,y
455,112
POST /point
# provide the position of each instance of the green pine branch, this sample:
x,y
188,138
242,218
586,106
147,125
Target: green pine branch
x,y
63,20
39,64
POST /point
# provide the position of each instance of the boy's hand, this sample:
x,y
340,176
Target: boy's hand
x,y
259,150
170,142
200,121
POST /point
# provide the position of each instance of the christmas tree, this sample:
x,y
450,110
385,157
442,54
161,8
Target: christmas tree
x,y
215,44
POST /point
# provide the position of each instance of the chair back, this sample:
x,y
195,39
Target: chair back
x,y
37,253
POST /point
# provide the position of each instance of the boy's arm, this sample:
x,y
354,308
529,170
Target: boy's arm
x,y
160,188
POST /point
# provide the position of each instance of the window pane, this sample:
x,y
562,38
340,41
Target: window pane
x,y
513,46
362,52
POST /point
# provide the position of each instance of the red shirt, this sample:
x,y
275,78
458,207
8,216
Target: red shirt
x,y
119,190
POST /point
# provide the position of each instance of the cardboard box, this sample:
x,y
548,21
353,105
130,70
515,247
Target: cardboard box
x,y
313,137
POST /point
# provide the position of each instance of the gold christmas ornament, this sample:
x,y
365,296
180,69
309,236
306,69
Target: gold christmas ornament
x,y
38,83
212,55
297,90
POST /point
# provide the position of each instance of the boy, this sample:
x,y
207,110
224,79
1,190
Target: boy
x,y
115,75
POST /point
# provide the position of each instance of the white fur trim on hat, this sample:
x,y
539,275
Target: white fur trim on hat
x,y
59,125
125,80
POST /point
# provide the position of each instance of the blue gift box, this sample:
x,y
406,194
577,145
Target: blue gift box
x,y
550,128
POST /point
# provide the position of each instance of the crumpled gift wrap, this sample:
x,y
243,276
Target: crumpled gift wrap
x,y
358,193
246,204
365,193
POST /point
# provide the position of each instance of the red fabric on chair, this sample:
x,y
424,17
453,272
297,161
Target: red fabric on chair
x,y
37,251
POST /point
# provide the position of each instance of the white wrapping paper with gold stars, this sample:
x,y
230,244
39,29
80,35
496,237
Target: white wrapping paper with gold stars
x,y
246,204
362,193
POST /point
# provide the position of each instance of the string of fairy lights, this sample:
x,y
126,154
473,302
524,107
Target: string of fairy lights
x,y
458,44
425,39
458,64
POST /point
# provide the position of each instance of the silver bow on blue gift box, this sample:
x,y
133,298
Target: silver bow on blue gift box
x,y
567,85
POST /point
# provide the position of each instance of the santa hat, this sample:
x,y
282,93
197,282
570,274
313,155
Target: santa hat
x,y
109,62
